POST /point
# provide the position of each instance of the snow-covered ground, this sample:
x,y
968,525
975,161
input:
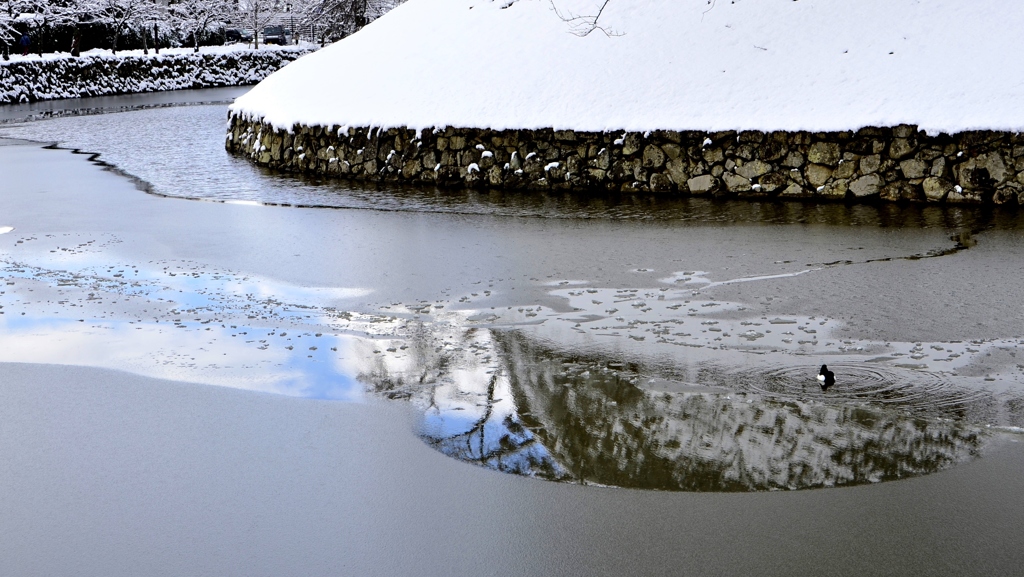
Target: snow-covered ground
x,y
106,53
945,65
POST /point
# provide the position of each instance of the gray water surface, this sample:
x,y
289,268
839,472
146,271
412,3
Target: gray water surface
x,y
667,344
424,300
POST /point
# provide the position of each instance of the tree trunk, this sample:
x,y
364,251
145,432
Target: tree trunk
x,y
195,38
156,38
145,41
361,9
76,42
114,48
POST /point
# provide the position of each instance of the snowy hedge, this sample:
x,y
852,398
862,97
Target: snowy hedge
x,y
100,75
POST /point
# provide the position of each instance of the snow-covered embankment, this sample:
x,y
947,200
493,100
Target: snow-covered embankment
x,y
881,98
31,79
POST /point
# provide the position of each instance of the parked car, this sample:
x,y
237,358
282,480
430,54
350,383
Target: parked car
x,y
276,35
237,35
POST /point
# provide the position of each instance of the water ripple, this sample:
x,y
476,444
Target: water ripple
x,y
916,392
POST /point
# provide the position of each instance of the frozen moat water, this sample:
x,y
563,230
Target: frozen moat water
x,y
624,341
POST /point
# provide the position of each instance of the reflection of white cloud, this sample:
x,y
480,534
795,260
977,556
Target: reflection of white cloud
x,y
291,294
191,354
192,285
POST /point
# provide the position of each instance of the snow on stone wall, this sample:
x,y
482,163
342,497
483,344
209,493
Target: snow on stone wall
x,y
47,79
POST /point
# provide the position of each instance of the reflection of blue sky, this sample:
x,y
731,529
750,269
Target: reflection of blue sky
x,y
450,421
192,286
457,434
163,351
179,322
447,423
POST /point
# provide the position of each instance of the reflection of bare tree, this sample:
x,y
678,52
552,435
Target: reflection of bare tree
x,y
382,382
605,430
503,444
509,402
463,419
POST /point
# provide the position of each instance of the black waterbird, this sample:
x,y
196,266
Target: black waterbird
x,y
827,377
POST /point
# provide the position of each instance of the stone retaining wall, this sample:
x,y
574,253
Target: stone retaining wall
x,y
894,163
67,77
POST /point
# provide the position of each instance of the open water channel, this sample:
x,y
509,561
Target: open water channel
x,y
464,382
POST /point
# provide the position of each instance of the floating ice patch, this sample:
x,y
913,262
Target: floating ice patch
x,y
687,277
700,277
566,282
6,229
757,278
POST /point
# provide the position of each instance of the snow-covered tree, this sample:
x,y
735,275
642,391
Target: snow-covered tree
x,y
30,17
124,14
339,18
257,14
8,33
74,13
194,17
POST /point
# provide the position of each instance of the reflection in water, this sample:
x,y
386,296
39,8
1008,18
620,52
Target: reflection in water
x,y
498,387
194,324
548,415
532,391
915,392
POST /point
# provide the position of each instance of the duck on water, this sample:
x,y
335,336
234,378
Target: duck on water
x,y
826,377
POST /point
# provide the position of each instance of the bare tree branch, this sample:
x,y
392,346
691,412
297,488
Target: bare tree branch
x,y
583,25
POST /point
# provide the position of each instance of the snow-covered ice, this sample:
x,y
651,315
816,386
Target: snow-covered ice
x,y
666,64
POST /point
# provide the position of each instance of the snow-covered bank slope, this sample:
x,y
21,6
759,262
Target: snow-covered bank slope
x,y
99,74
820,65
